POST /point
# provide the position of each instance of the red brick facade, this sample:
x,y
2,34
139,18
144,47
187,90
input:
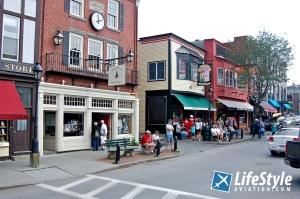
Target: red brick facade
x,y
54,18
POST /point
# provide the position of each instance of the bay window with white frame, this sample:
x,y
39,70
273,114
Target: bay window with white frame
x,y
95,53
76,51
221,76
113,14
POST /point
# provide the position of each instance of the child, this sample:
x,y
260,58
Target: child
x,y
193,131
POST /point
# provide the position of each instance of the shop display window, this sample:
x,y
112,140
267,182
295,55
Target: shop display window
x,y
3,131
124,124
73,124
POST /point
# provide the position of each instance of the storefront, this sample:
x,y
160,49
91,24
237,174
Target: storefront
x,y
12,113
67,114
235,109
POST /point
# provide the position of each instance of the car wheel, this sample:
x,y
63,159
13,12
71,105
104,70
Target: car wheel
x,y
273,153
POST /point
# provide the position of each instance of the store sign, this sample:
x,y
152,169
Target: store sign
x,y
117,75
16,67
204,74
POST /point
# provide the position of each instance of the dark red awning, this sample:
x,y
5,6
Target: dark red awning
x,y
11,106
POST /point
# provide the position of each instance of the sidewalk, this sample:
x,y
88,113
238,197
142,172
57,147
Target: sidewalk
x,y
65,165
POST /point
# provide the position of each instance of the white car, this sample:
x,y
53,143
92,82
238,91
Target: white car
x,y
278,141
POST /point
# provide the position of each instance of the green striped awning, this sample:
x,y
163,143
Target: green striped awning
x,y
194,102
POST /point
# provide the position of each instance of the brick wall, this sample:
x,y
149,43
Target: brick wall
x,y
54,17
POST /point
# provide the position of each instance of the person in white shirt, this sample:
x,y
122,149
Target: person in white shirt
x,y
103,133
198,125
169,132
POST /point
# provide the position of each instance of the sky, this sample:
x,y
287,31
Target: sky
x,y
224,20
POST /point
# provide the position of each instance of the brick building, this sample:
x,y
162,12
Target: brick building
x,y
229,97
75,92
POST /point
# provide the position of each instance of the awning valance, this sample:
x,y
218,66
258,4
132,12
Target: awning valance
x,y
11,106
274,103
268,107
237,105
194,102
287,106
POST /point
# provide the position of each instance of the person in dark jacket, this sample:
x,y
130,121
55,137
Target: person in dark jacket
x,y
95,136
255,128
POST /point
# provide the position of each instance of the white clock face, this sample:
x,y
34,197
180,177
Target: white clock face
x,y
97,21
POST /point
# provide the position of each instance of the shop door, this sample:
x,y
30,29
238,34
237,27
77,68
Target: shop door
x,y
20,135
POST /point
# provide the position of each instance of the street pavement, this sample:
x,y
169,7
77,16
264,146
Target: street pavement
x,y
188,176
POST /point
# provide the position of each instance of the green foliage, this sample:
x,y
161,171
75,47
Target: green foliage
x,y
266,58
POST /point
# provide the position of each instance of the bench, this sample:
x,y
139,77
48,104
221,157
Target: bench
x,y
125,145
163,142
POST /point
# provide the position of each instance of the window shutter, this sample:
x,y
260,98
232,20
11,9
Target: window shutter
x,y
67,5
121,17
65,54
121,54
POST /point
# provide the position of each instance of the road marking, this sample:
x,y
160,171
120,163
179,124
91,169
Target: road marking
x,y
63,191
100,189
176,192
73,184
134,192
170,196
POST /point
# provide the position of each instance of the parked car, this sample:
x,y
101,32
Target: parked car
x,y
292,153
297,118
277,142
288,121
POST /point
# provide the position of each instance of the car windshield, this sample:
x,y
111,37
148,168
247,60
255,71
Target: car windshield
x,y
292,132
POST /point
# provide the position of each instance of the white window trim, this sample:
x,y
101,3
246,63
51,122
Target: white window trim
x,y
117,17
81,50
117,52
223,77
18,47
156,74
82,9
101,50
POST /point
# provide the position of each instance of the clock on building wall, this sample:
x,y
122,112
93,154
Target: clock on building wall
x,y
97,21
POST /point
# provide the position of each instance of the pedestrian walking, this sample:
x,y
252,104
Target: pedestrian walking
x,y
95,136
103,133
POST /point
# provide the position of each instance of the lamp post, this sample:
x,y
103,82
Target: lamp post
x,y
35,155
210,90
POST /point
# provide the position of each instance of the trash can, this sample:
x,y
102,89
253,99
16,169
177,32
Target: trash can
x,y
207,134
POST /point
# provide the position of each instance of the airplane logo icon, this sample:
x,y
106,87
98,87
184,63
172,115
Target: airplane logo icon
x,y
221,181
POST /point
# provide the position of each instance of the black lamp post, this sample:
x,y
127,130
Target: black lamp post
x,y
35,155
210,90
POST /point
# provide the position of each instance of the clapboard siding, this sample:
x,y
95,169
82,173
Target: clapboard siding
x,y
150,52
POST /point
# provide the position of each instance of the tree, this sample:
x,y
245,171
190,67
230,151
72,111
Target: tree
x,y
265,58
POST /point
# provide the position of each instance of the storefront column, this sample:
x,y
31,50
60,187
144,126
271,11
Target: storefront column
x,y
40,127
88,120
115,120
135,121
59,124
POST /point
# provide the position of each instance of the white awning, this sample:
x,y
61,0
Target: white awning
x,y
237,105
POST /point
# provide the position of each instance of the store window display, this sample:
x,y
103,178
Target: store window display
x,y
124,124
73,124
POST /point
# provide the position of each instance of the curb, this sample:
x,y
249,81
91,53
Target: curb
x,y
228,143
119,166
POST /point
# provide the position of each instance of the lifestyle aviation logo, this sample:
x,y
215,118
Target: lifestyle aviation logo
x,y
251,182
221,181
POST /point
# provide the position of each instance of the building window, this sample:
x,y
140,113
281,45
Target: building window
x,y
194,71
113,14
77,7
156,71
220,76
231,79
182,69
50,99
13,6
30,8
74,101
227,78
22,125
235,80
124,104
75,51
101,103
10,38
25,95
95,55
73,124
112,52
124,124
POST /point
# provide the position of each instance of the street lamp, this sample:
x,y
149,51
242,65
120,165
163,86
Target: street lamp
x,y
210,90
58,38
35,155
